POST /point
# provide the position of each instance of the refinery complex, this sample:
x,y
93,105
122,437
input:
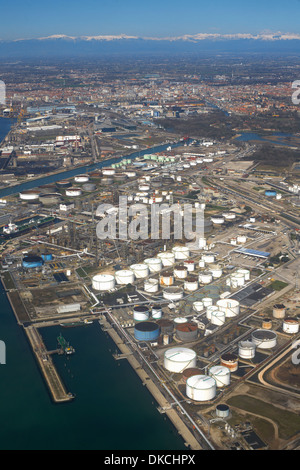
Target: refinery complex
x,y
93,193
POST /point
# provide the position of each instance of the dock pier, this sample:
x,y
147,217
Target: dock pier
x,y
56,387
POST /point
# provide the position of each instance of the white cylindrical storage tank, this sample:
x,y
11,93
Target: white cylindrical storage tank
x,y
30,195
181,252
208,258
180,272
173,293
198,306
290,325
73,192
264,339
81,179
179,359
201,388
230,307
217,317
218,220
279,311
246,349
229,215
207,301
237,280
166,278
191,284
216,271
144,187
151,286
245,273
141,313
124,276
140,270
209,310
103,282
154,264
190,265
205,277
180,320
157,312
241,239
221,374
167,258
108,171
222,411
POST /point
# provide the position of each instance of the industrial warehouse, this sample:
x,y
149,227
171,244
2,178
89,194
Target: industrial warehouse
x,y
205,323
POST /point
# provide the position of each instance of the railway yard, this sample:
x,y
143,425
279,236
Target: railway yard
x,y
210,324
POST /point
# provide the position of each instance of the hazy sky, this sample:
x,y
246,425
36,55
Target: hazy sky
x,y
160,18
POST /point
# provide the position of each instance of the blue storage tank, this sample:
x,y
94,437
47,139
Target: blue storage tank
x,y
30,262
270,193
47,256
146,331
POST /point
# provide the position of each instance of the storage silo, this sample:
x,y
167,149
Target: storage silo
x,y
154,264
103,282
221,374
180,272
198,306
140,270
222,411
167,258
187,332
156,312
217,317
245,273
279,311
290,325
191,284
231,307
207,301
181,252
205,277
151,286
173,293
141,313
230,360
246,349
166,278
178,359
166,326
146,331
190,265
201,388
264,339
124,276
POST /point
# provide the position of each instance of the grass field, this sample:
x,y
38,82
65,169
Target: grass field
x,y
288,422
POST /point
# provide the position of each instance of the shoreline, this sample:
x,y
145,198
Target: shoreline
x,y
189,440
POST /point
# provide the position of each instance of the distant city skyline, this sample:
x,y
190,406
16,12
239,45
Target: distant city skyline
x,y
167,18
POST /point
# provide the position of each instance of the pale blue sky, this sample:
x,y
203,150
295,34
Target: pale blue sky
x,y
160,18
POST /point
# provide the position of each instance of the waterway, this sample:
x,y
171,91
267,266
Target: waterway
x,y
251,136
112,410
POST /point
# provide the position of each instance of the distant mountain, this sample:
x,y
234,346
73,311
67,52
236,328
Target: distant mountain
x,y
62,45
